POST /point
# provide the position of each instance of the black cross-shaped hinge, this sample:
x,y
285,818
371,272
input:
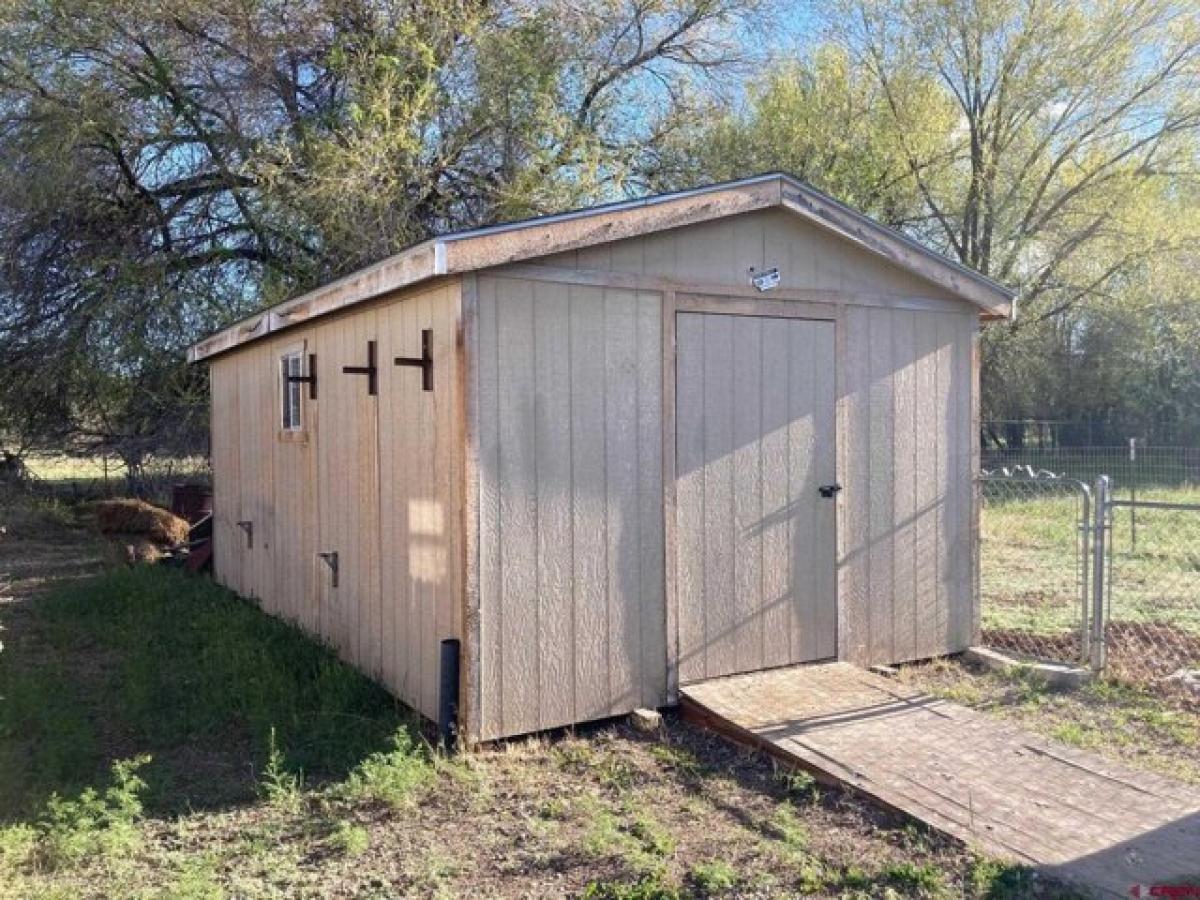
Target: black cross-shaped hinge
x,y
369,369
310,379
424,362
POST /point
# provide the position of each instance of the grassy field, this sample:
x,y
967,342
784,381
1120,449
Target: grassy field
x,y
162,738
88,477
1030,575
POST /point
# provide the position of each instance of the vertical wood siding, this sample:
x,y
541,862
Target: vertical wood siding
x,y
906,566
420,488
376,479
570,498
294,491
223,441
348,489
257,410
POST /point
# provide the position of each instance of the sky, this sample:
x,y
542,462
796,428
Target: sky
x,y
797,21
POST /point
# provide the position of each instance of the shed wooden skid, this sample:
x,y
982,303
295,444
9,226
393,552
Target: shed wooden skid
x,y
614,484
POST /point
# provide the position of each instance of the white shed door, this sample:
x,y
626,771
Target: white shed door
x,y
755,540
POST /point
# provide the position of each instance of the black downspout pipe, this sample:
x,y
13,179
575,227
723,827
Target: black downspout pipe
x,y
448,695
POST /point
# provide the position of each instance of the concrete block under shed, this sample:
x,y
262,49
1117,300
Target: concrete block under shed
x,y
646,720
1055,674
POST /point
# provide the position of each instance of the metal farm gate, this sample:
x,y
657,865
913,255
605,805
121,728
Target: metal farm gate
x,y
1071,573
1146,619
1034,566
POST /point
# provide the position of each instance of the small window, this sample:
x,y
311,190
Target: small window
x,y
291,366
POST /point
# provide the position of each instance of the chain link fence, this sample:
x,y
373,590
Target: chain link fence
x,y
1133,467
1080,574
1148,628
1034,565
81,479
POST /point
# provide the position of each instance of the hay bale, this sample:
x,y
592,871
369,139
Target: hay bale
x,y
136,517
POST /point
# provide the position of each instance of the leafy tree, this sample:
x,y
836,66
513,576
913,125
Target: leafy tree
x,y
1051,145
825,120
1076,122
174,164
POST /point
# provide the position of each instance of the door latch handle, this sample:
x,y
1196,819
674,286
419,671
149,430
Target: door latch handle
x,y
331,560
828,490
248,527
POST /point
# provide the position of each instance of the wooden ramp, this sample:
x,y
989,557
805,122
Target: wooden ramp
x,y
969,775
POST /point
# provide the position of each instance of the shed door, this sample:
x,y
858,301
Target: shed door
x,y
755,541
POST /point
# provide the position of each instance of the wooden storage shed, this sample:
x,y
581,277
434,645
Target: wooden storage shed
x,y
603,450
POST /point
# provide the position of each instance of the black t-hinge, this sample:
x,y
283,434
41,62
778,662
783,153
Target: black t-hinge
x,y
369,369
424,362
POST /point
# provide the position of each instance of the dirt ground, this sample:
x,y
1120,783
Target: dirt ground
x,y
601,812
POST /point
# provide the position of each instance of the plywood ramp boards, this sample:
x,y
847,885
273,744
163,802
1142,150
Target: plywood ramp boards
x,y
570,489
906,568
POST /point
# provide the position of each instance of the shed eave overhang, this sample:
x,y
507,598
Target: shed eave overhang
x,y
497,245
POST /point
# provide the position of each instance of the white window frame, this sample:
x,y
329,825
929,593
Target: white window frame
x,y
291,393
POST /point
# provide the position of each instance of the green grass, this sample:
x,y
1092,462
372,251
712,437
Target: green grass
x,y
714,877
160,737
653,837
174,662
787,827
648,887
925,880
183,677
678,760
800,785
994,880
392,776
1030,567
96,824
350,839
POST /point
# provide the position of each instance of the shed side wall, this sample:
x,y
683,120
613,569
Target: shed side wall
x,y
572,614
379,479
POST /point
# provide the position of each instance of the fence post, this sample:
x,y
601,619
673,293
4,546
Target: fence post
x,y
1133,481
1099,519
1085,556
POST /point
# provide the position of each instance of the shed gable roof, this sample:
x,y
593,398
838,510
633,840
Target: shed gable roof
x,y
496,245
